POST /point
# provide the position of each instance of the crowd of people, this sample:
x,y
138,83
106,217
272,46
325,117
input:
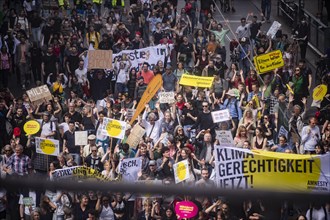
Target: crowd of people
x,y
269,112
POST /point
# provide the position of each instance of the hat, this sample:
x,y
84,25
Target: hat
x,y
243,39
17,132
91,137
231,93
152,163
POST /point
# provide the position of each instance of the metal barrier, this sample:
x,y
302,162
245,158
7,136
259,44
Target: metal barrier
x,y
319,35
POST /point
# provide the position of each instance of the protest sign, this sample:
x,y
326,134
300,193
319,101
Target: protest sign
x,y
135,136
77,171
166,97
39,94
319,92
225,138
150,55
186,209
269,61
283,131
129,168
220,116
31,127
80,138
47,146
196,81
129,113
28,201
100,59
113,128
238,168
153,87
181,171
273,29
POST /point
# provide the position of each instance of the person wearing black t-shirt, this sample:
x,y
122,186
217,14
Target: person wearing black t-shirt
x,y
81,209
186,53
49,65
189,116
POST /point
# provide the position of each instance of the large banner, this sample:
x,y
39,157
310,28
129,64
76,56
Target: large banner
x,y
129,169
245,169
150,55
269,61
47,146
76,171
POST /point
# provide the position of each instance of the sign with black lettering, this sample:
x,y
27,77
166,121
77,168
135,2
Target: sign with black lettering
x,y
39,94
129,169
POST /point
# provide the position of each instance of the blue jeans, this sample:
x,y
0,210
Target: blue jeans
x,y
266,6
120,88
36,35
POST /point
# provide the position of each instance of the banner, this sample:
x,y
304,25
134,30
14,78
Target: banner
x,y
77,171
166,97
100,59
245,169
273,29
129,168
225,138
113,128
135,136
153,87
181,171
47,146
269,61
39,94
150,55
80,138
220,116
31,127
196,81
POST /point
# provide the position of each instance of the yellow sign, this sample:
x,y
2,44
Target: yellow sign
x,y
153,87
196,81
245,169
269,61
31,127
181,171
319,92
47,146
113,128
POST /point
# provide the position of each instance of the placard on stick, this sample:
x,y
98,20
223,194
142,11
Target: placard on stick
x,y
80,138
135,136
100,59
39,94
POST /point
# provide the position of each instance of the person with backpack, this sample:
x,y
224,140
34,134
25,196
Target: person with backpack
x,y
48,127
232,104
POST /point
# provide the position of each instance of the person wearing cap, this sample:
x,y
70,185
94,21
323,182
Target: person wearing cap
x,y
88,148
169,80
232,104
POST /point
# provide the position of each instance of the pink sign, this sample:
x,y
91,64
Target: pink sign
x,y
186,209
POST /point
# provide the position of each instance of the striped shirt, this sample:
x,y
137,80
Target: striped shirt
x,y
19,164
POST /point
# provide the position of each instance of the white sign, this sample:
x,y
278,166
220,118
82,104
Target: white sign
x,y
64,173
220,116
80,138
129,113
225,138
47,146
273,29
129,168
283,131
166,97
181,171
150,55
113,128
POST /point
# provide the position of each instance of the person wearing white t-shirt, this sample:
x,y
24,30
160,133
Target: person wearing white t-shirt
x,y
27,205
104,209
122,72
81,72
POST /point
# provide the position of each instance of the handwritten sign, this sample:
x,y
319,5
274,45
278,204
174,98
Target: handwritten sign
x,y
221,115
225,138
166,97
135,136
269,61
100,59
38,94
80,138
273,29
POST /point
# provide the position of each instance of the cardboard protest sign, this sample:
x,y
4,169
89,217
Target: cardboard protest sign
x,y
181,171
153,87
135,136
238,168
166,97
196,81
47,146
225,138
37,95
220,116
31,127
100,59
273,29
80,138
114,128
268,61
129,168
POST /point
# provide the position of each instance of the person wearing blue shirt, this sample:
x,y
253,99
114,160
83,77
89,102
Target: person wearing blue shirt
x,y
283,146
232,104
